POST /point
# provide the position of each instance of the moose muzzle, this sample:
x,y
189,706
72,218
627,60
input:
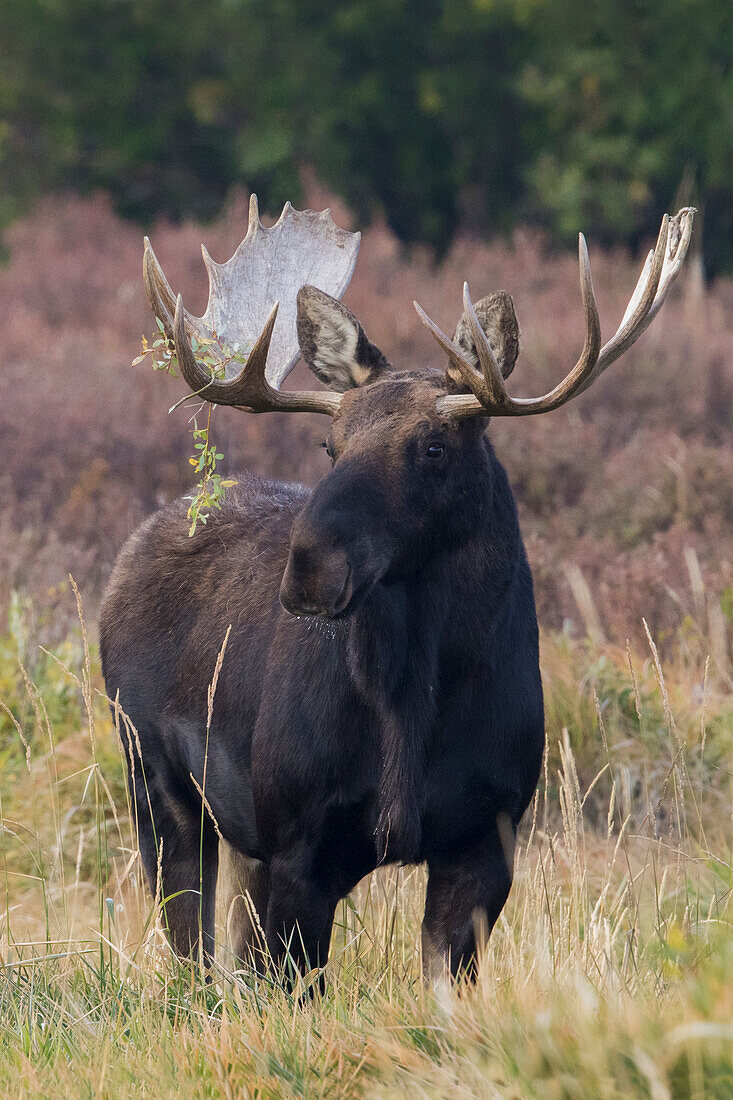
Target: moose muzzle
x,y
316,582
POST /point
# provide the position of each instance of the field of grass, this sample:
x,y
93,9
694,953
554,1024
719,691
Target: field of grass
x,y
610,973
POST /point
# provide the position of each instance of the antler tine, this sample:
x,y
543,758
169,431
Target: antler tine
x,y
680,235
494,382
468,372
638,290
659,272
254,214
161,298
638,310
494,400
249,390
592,344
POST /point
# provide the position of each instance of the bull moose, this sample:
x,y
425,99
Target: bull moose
x,y
379,700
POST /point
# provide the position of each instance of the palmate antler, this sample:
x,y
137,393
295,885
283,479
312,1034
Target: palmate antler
x,y
488,390
247,295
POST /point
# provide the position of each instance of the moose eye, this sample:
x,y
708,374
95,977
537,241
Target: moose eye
x,y
435,450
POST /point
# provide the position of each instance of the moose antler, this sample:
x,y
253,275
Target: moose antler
x,y
488,390
245,294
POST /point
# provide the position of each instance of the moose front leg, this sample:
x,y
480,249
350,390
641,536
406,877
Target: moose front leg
x,y
463,902
299,919
179,851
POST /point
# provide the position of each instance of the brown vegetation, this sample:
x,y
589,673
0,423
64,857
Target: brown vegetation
x,y
624,483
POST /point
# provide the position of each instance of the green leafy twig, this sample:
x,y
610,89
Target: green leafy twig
x,y
161,351
211,489
210,492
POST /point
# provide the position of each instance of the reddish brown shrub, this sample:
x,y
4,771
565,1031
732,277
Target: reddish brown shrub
x,y
619,483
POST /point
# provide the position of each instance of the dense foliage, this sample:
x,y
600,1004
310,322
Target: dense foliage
x,y
441,113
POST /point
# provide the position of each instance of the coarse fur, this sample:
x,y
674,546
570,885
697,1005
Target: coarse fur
x,y
379,699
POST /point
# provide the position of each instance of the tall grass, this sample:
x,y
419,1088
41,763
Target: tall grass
x,y
610,972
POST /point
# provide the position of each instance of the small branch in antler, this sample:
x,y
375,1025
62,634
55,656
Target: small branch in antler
x,y
162,352
217,366
210,491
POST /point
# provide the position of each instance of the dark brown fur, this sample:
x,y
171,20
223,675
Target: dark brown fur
x,y
379,698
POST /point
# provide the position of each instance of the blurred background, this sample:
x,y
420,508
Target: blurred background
x,y
467,139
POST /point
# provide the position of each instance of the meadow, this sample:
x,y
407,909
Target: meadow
x,y
610,972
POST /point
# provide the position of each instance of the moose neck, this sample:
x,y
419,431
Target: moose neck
x,y
469,571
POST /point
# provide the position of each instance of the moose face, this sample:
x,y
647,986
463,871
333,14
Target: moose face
x,y
403,474
398,492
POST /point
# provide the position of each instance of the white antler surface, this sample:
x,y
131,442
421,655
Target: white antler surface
x,y
270,266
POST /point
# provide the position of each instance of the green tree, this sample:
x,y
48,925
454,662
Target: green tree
x,y
632,96
113,94
407,106
440,113
403,105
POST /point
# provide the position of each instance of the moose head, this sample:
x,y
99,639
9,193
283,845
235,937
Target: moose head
x,y
407,446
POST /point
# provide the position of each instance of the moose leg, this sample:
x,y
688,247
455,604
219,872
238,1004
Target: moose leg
x,y
183,873
244,892
299,919
462,904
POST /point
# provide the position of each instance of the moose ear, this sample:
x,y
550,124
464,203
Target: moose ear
x,y
333,343
499,321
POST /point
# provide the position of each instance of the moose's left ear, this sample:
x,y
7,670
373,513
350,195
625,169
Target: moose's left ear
x,y
333,343
497,318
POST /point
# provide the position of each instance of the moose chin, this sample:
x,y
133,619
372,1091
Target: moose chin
x,y
379,697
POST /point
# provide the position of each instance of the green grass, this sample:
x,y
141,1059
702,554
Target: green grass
x,y
610,973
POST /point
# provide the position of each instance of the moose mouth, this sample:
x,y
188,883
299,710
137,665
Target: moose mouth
x,y
350,598
301,607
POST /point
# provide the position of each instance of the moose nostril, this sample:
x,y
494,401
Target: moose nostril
x,y
315,583
299,561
